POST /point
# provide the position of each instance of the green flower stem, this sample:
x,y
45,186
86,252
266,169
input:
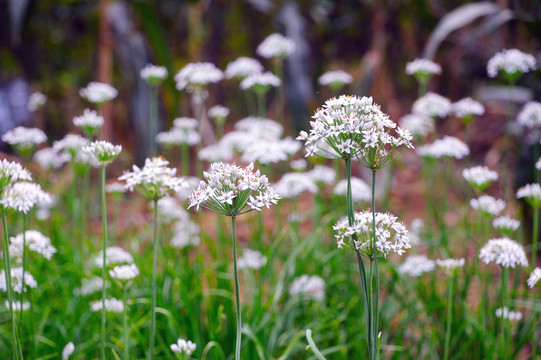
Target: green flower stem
x,y
126,334
154,255
237,293
422,87
153,120
374,292
7,269
450,285
506,142
535,231
200,108
280,74
505,277
185,154
21,297
248,99
261,104
387,186
103,269
534,328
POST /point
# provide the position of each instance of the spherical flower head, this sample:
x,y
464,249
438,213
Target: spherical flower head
x,y
432,105
467,109
416,265
17,280
449,147
391,235
534,277
71,144
504,252
36,101
251,259
360,191
35,241
486,205
11,172
111,305
335,79
310,287
232,190
511,63
183,347
177,137
89,122
50,158
506,225
276,46
218,113
531,193
530,115
322,174
350,126
114,255
450,265
197,75
292,185
98,93
423,69
270,151
102,153
68,350
17,305
23,196
155,180
259,127
508,315
260,83
242,68
124,273
24,140
418,125
479,177
154,75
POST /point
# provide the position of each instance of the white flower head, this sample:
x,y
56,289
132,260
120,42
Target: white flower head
x,y
506,225
260,82
185,233
467,109
115,188
416,265
35,241
534,277
197,75
114,255
16,280
218,113
530,115
102,153
504,252
418,125
242,68
184,131
259,127
154,180
291,185
508,315
335,79
11,172
531,193
89,122
276,46
311,287
486,205
432,105
154,75
71,144
269,151
448,146
24,139
391,235
511,63
480,177
322,174
36,101
23,196
124,273
98,93
89,286
450,265
298,164
68,350
423,69
251,259
111,305
360,191
183,347
50,158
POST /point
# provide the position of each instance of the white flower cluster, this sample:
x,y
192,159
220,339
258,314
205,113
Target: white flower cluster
x,y
36,101
467,108
259,127
50,158
89,122
17,305
113,255
218,112
512,62
35,241
23,196
186,233
153,74
534,277
184,131
230,189
308,286
450,264
335,79
530,115
506,224
260,82
124,272
298,164
115,187
292,185
479,176
183,347
531,193
71,144
268,151
24,139
111,305
102,153
251,259
449,146
154,180
360,191
97,93
197,75
432,105
11,172
243,67
350,126
391,235
276,45
487,205
89,286
68,350
17,280
418,125
169,209
423,68
322,174
416,265
508,315
504,252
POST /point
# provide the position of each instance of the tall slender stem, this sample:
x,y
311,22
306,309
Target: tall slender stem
x,y
280,74
154,255
506,141
535,231
374,258
104,251
449,316
126,335
505,276
7,269
153,119
261,104
185,154
21,297
237,293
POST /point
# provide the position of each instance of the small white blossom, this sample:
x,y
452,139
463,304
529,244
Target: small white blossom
x,y
35,241
183,347
308,286
71,144
506,225
531,193
184,131
432,105
504,252
487,205
450,264
111,305
511,62
423,68
23,196
11,172
97,93
36,101
243,67
335,79
270,151
468,108
89,286
115,188
154,75
298,164
102,153
418,125
124,272
276,45
68,350
170,209
534,277
360,191
260,82
416,265
50,158
113,255
449,146
16,280
322,174
530,115
24,139
480,177
89,122
251,259
185,233
508,315
291,185
197,75
259,127
218,112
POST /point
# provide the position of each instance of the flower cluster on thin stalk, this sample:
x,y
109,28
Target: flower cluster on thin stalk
x,y
432,105
154,75
479,177
276,46
450,265
448,146
50,158
12,172
507,314
98,93
23,196
419,125
423,69
35,241
242,68
183,132
531,193
260,83
114,255
487,205
195,76
291,185
416,265
90,122
335,80
17,280
467,109
534,277
511,63
504,252
308,287
102,153
183,347
530,115
251,259
506,225
36,101
111,305
24,140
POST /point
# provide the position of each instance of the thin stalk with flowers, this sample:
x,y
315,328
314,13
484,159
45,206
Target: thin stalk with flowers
x,y
154,76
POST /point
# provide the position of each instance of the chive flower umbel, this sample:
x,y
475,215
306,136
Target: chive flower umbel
x,y
102,153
